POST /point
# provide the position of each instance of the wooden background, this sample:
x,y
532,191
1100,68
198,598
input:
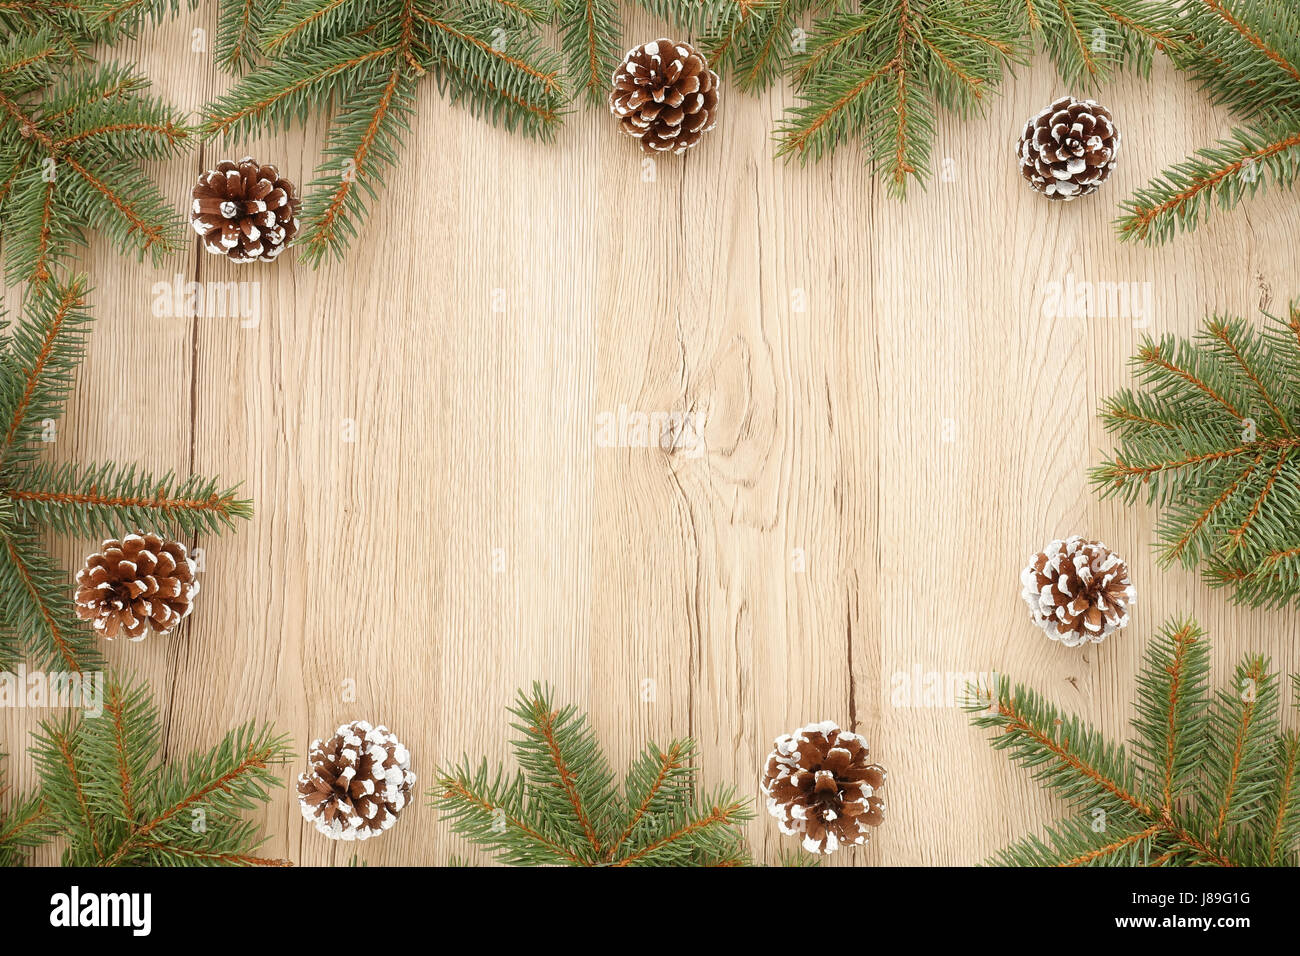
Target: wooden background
x,y
893,426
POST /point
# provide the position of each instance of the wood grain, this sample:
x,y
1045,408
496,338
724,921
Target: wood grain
x,y
892,425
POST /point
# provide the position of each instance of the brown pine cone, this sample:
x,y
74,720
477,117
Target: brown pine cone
x,y
360,780
139,582
1069,149
245,211
819,783
665,95
1078,591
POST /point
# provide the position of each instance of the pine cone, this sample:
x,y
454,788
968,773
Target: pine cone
x,y
1069,149
245,211
1078,591
141,581
665,95
818,783
360,780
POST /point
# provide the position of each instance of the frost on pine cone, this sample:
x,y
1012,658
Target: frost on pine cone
x,y
139,582
360,780
1069,149
245,211
1078,591
820,784
665,95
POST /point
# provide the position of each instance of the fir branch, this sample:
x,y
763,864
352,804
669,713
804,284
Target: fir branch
x,y
877,75
1246,54
1266,154
1213,440
112,500
1238,765
490,813
564,809
1282,808
66,24
706,835
571,779
23,826
369,60
42,356
1069,758
112,803
55,751
589,36
1074,842
36,611
1172,698
650,786
754,40
240,23
1220,773
1090,40
285,90
233,777
71,141
362,144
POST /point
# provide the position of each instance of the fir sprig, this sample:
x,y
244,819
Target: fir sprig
x,y
566,808
239,23
72,138
67,22
107,797
1209,780
1246,54
371,60
24,824
38,361
876,76
1214,437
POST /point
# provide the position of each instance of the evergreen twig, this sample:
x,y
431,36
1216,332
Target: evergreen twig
x,y
565,808
107,797
1246,54
24,825
1214,437
1208,781
72,138
370,59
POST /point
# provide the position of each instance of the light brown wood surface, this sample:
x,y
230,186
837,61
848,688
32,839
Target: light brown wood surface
x,y
878,467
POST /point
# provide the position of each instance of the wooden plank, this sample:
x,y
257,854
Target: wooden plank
x,y
889,423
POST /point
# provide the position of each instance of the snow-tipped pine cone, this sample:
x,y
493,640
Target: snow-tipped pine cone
x,y
1069,149
665,95
820,785
1078,591
245,211
140,582
359,781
